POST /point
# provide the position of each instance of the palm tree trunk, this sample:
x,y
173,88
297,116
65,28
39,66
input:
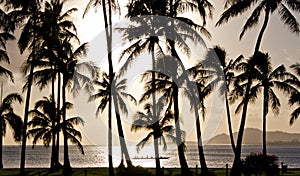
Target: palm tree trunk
x,y
52,163
111,72
261,33
24,129
121,133
236,167
204,169
155,116
229,123
58,115
265,112
1,127
180,145
67,166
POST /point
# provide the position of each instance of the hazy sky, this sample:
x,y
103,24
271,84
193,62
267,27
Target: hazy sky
x,y
281,45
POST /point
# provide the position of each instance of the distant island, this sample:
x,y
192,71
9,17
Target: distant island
x,y
253,136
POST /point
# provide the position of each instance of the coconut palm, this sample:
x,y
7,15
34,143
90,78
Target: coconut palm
x,y
28,40
243,83
168,83
42,126
107,7
295,93
116,89
269,79
4,37
216,60
147,121
8,117
283,7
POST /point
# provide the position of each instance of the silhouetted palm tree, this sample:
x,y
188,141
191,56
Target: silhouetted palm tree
x,y
283,7
295,93
8,117
107,7
4,37
28,40
42,124
168,83
116,89
146,121
269,79
243,83
216,60
145,37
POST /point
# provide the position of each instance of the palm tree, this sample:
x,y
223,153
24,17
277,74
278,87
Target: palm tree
x,y
8,117
107,16
216,60
295,93
116,89
269,79
283,7
28,40
242,88
167,83
42,125
4,37
147,121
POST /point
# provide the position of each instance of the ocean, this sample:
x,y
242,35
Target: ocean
x,y
217,156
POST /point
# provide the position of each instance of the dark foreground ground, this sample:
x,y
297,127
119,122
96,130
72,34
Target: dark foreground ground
x,y
104,172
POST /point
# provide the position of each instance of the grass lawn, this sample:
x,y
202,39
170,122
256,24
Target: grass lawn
x,y
104,171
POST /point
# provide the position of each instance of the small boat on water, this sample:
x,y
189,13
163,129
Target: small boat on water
x,y
161,157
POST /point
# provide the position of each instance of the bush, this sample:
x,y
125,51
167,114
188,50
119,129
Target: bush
x,y
132,171
260,164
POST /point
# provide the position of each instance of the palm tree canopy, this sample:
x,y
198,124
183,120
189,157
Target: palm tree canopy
x,y
283,7
9,117
41,123
295,93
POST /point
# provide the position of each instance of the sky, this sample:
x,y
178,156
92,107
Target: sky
x,y
282,46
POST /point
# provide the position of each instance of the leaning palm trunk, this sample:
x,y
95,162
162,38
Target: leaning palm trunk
x,y
229,123
124,150
180,145
261,33
204,169
236,167
108,32
67,166
24,130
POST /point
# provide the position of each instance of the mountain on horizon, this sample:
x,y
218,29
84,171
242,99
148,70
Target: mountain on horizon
x,y
253,136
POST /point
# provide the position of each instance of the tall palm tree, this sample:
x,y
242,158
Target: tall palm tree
x,y
269,79
216,60
28,40
116,89
107,17
168,83
8,117
243,83
145,37
295,93
283,7
197,91
42,125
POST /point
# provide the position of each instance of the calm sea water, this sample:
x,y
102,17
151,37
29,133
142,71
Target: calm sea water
x,y
96,156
